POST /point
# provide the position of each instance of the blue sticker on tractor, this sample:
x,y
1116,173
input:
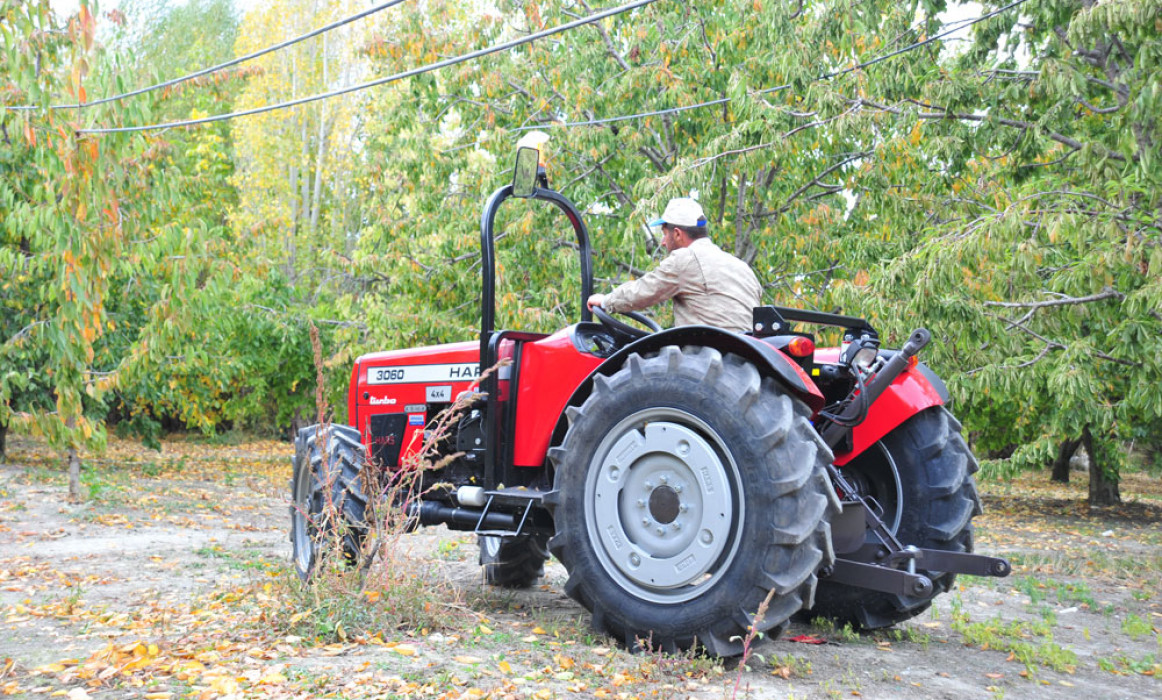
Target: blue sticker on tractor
x,y
416,419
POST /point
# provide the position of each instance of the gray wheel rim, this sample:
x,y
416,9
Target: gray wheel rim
x,y
663,508
300,513
894,518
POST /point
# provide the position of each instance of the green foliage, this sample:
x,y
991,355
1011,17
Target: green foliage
x,y
1003,191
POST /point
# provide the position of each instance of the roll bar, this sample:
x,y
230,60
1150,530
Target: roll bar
x,y
488,252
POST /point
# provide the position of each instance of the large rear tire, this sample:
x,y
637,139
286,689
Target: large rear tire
x,y
328,506
513,562
687,488
921,475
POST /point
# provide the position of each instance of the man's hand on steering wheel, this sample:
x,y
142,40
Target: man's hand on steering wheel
x,y
622,332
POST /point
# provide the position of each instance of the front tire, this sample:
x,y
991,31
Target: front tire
x,y
921,474
513,562
328,506
687,488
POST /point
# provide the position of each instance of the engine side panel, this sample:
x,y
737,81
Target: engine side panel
x,y
394,392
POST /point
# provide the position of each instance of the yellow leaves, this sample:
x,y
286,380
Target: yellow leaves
x,y
505,667
404,649
113,520
467,660
372,596
916,134
534,14
564,662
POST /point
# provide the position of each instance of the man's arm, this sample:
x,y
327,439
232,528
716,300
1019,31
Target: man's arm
x,y
662,283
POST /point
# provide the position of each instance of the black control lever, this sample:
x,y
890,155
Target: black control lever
x,y
835,433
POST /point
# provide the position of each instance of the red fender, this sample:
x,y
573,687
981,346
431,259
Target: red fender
x,y
913,391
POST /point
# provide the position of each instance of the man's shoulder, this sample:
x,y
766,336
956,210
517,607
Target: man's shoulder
x,y
704,247
679,257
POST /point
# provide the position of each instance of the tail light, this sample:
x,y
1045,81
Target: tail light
x,y
801,346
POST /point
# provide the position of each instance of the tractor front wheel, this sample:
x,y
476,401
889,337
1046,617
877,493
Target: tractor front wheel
x,y
688,487
513,562
328,507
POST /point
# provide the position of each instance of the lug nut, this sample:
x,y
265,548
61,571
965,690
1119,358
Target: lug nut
x,y
661,530
641,503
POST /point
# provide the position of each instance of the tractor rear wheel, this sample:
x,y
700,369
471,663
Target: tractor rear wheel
x,y
688,487
921,475
328,507
513,562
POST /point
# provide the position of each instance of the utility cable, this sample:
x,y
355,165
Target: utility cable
x,y
767,91
388,79
220,66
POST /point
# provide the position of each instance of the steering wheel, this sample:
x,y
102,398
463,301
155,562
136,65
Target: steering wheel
x,y
623,332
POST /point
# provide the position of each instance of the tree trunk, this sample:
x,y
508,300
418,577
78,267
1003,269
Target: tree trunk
x,y
3,440
1061,464
74,476
1103,485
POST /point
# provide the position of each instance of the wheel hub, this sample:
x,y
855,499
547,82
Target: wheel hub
x,y
664,504
663,508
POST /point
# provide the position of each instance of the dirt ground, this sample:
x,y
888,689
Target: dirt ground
x,y
171,580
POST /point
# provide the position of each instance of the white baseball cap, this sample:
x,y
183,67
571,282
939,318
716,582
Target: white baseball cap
x,y
682,211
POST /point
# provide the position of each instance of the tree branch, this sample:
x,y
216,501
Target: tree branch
x,y
799,192
944,114
1107,293
605,38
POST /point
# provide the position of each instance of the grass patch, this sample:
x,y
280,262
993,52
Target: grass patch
x,y
846,633
1064,592
339,603
1120,664
789,666
1136,627
1029,642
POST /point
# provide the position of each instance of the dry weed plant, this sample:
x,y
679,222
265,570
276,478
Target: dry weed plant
x,y
382,589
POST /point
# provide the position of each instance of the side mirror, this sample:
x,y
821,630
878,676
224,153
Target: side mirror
x,y
524,176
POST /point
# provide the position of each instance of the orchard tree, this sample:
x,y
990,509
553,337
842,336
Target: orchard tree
x,y
1002,190
98,233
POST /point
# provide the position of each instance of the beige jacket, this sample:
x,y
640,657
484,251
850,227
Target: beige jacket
x,y
708,285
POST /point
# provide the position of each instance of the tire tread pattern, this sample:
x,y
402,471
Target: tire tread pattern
x,y
796,544
336,503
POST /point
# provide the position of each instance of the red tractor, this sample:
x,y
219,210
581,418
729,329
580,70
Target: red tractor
x,y
681,476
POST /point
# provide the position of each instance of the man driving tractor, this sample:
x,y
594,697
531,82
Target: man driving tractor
x,y
708,285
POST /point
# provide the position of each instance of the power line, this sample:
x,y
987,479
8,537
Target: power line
x,y
382,81
766,91
220,66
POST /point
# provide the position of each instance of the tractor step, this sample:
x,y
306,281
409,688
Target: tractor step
x,y
516,495
520,496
